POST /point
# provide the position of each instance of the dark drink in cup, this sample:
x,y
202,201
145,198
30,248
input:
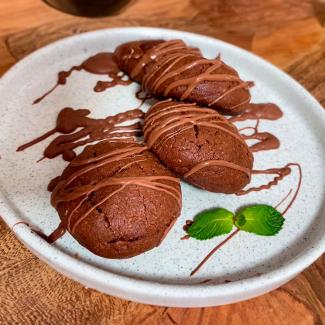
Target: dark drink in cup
x,y
89,8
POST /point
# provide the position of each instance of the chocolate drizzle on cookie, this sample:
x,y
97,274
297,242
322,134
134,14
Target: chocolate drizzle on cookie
x,y
64,193
172,69
100,64
221,163
181,117
167,120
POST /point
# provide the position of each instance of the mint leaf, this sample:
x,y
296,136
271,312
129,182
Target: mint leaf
x,y
259,219
211,223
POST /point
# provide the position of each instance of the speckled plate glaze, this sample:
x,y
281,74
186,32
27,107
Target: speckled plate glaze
x,y
246,266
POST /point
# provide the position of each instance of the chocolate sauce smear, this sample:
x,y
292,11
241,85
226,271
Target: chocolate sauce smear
x,y
77,129
267,141
101,64
268,111
54,236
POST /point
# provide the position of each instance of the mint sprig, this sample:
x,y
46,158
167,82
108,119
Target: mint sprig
x,y
260,219
211,223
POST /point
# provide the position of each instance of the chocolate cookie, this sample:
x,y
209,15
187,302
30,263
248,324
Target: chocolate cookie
x,y
117,199
200,145
172,69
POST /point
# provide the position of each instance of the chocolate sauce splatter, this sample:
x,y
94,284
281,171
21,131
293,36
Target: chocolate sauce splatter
x,y
188,223
19,223
205,281
284,199
267,141
266,111
297,189
213,251
54,236
100,64
78,129
280,172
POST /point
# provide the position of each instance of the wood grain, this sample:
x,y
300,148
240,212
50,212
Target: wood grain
x,y
288,33
31,292
306,71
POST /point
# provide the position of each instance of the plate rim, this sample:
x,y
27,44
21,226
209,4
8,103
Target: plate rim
x,y
147,291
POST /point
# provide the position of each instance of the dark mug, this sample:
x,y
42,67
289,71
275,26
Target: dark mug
x,y
89,8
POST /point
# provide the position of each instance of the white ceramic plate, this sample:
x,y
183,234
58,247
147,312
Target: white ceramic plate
x,y
253,264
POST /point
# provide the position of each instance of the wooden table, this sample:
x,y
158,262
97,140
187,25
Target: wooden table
x,y
289,33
